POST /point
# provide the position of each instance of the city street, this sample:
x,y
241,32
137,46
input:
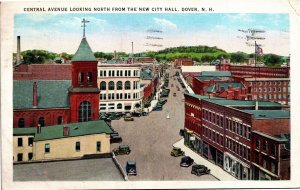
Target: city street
x,y
150,139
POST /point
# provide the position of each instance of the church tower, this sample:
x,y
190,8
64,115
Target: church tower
x,y
84,92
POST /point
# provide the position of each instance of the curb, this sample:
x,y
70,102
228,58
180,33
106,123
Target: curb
x,y
125,176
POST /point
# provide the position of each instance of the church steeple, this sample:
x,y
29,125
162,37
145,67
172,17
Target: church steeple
x,y
84,52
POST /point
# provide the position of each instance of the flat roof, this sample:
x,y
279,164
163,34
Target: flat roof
x,y
75,129
225,102
216,73
280,138
274,114
267,79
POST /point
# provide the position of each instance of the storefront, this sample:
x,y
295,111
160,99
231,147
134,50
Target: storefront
x,y
192,141
235,167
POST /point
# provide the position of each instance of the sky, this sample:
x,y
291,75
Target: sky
x,y
109,32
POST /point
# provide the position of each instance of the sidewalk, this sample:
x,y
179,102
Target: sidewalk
x,y
215,170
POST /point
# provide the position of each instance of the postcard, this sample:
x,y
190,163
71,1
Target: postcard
x,y
149,94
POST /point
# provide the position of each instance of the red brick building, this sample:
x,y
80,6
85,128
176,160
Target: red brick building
x,y
221,131
183,61
41,98
255,71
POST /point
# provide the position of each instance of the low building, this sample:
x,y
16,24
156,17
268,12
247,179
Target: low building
x,y
73,140
183,62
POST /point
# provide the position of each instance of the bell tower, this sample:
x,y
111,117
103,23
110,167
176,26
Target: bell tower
x,y
84,92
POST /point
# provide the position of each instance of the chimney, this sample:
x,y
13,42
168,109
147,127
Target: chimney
x,y
39,129
66,131
34,95
18,49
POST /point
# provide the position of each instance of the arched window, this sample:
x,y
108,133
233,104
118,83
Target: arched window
x,y
85,112
119,106
127,85
42,121
103,85
21,123
119,85
80,77
111,85
89,77
59,120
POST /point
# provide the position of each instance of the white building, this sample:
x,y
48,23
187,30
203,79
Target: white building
x,y
119,86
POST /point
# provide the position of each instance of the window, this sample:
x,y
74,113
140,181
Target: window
x,y
42,121
109,96
109,73
128,95
47,148
118,73
89,77
119,106
85,111
273,167
77,146
127,85
59,120
119,85
121,73
20,142
117,96
98,146
274,89
111,85
101,73
125,73
270,89
30,141
80,77
264,163
257,143
102,85
104,73
113,73
273,149
265,146
30,155
279,89
129,73
20,157
21,123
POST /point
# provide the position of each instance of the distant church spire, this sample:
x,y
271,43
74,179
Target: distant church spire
x,y
84,25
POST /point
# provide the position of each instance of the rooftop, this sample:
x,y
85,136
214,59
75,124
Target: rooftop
x,y
84,52
225,85
216,73
241,103
207,78
262,114
280,138
75,129
50,93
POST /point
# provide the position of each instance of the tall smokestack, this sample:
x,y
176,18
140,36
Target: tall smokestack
x,y
115,54
34,95
18,49
132,48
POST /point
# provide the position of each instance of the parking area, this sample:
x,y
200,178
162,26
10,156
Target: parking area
x,y
101,169
151,139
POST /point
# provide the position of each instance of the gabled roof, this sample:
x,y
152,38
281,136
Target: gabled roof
x,y
75,129
145,74
216,73
50,94
84,52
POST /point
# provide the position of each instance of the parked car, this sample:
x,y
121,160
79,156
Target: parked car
x,y
144,113
174,94
186,161
128,117
157,108
122,149
177,152
199,170
136,114
131,168
115,139
163,101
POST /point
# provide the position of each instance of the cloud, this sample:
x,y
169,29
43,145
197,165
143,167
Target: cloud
x,y
239,17
76,21
165,23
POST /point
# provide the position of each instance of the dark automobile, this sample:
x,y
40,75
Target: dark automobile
x,y
115,139
163,101
186,161
144,113
131,168
114,116
122,149
128,117
177,152
136,114
199,170
157,108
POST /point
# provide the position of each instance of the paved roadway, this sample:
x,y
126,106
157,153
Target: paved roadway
x,y
151,138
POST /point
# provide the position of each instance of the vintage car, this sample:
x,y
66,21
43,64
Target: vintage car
x,y
177,152
128,117
131,168
122,149
186,161
199,170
